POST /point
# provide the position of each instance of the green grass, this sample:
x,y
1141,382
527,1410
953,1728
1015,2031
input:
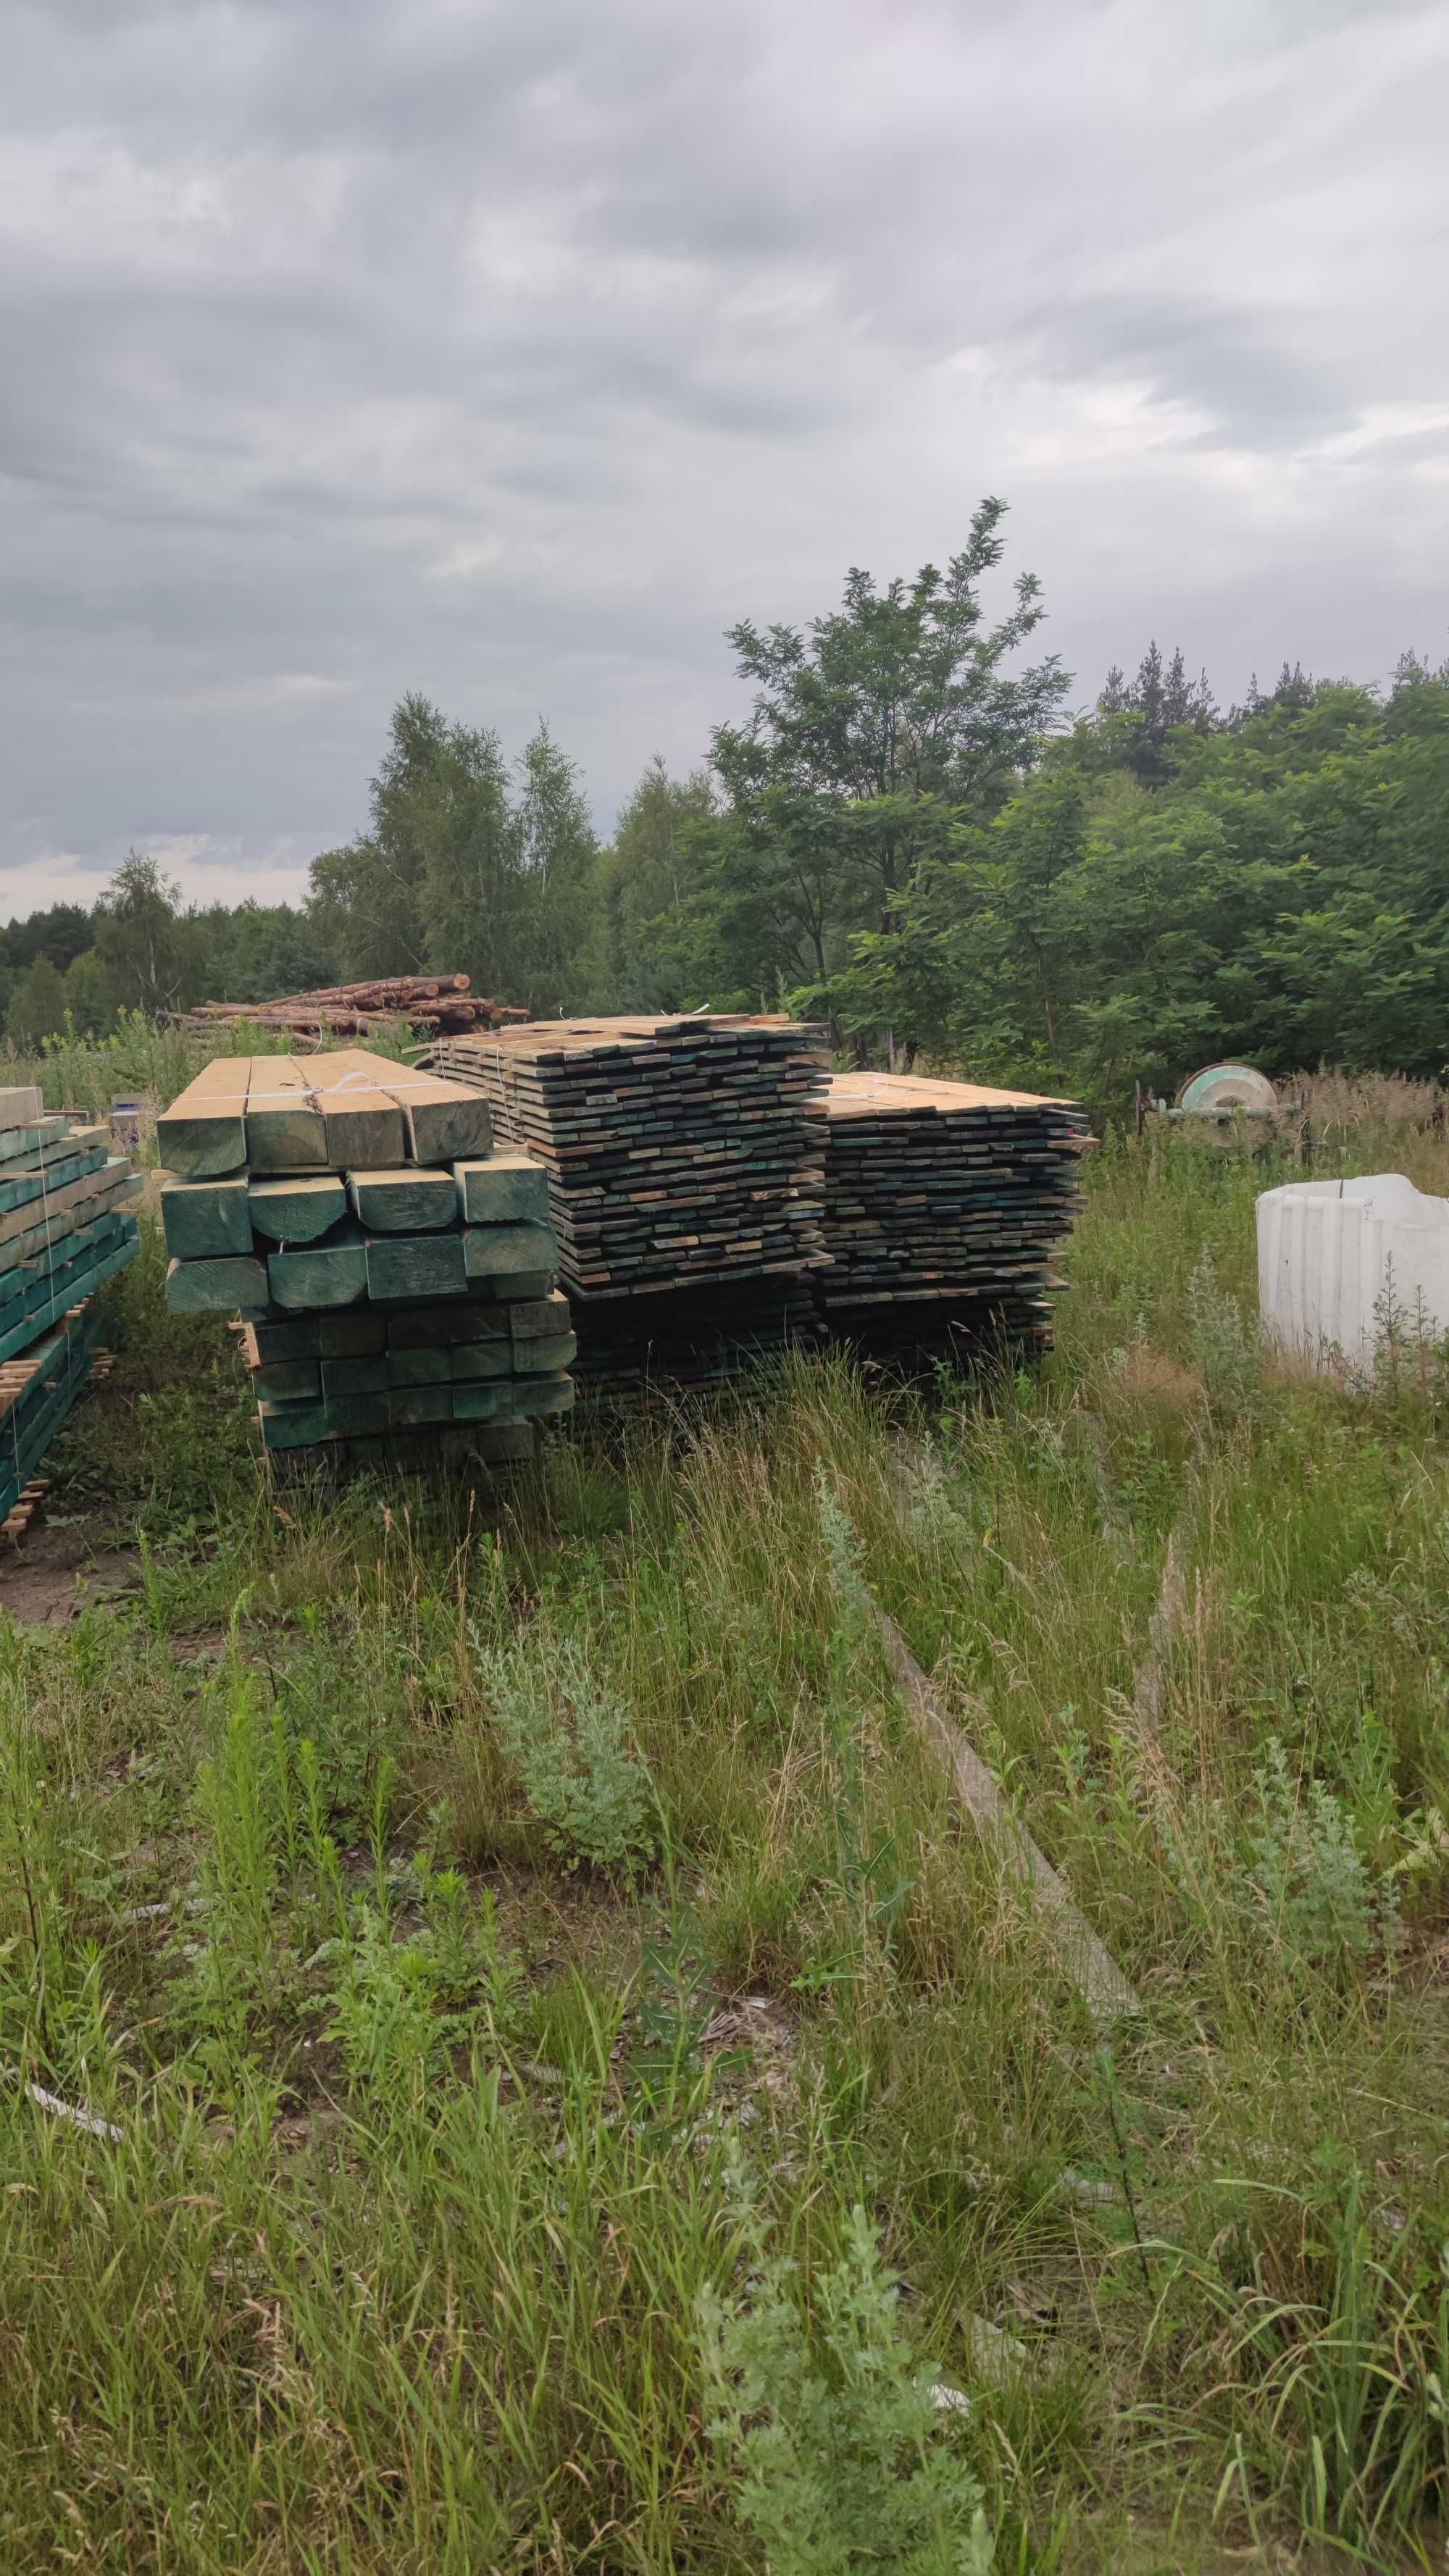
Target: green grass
x,y
440,2143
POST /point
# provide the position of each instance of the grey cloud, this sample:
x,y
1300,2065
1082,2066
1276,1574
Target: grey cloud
x,y
512,352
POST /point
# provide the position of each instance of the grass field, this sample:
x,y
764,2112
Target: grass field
x,y
584,2096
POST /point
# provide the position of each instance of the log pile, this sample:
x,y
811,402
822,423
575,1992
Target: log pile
x,y
65,1229
392,1270
945,1205
437,1004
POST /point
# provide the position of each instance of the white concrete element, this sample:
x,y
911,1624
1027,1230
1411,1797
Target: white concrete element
x,y
1328,1253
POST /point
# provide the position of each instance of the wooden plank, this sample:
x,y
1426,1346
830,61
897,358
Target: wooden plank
x,y
508,1187
476,1400
369,1375
319,1275
203,1133
78,1279
107,1180
37,1184
543,1353
481,1359
287,1381
534,1396
292,1426
547,1315
297,1209
364,1125
416,1265
473,1319
21,1105
428,1365
497,1251
411,1406
285,1128
444,1122
204,1220
406,1200
214,1287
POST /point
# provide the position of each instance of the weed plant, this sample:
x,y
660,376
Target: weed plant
x,y
585,2097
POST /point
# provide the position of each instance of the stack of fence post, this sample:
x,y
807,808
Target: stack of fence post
x,y
686,1166
65,1229
393,1272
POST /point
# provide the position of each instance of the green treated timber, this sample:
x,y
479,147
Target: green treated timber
x,y
16,1141
201,1148
404,1201
508,1188
475,1360
298,1209
292,1426
519,1283
531,1316
368,1375
471,1320
52,1264
214,1287
35,1189
286,1140
319,1275
364,1130
409,1406
425,1366
477,1400
79,1203
83,1284
416,1265
203,1220
540,1395
287,1381
539,1352
495,1251
444,1122
349,1333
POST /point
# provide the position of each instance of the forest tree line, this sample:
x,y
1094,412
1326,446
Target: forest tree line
x,y
907,835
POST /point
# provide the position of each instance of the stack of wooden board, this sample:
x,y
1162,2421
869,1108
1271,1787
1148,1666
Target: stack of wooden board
x,y
393,1272
65,1227
679,1151
945,1204
36,1396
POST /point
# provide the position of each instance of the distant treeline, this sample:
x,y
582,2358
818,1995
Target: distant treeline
x,y
907,835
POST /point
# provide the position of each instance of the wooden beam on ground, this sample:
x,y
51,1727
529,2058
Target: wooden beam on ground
x,y
1101,1983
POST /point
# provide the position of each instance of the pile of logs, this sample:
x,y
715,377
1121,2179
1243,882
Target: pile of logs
x,y
441,1005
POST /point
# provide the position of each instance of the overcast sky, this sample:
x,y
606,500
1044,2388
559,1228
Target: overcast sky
x,y
510,352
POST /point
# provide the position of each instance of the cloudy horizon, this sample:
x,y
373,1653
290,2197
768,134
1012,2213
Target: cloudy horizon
x,y
512,354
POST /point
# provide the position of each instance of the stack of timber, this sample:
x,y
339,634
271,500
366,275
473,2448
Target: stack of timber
x,y
65,1229
678,1151
388,1003
945,1205
393,1271
65,1226
686,1164
37,1394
